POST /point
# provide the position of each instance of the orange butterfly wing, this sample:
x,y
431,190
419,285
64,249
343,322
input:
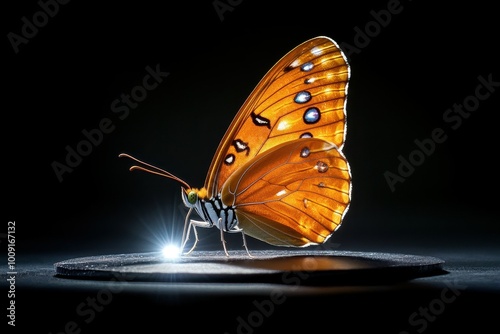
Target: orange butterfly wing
x,y
294,194
279,174
303,95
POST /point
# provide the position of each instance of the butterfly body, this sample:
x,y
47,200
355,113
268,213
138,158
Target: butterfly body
x,y
279,174
212,210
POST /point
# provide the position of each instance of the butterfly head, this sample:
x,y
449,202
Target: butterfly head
x,y
191,196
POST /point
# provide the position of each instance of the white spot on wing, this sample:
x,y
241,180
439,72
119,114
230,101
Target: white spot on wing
x,y
316,51
295,63
281,193
283,125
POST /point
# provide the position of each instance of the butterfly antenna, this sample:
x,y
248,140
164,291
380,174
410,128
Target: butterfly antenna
x,y
153,169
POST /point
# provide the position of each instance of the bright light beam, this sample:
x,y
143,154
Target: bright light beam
x,y
171,251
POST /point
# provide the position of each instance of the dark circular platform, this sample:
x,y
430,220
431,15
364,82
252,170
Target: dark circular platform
x,y
309,267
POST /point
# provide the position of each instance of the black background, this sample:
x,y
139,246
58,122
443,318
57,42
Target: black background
x,y
404,77
406,73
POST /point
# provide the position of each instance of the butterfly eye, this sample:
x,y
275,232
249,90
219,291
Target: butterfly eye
x,y
192,197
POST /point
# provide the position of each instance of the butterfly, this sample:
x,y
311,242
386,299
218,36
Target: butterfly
x,y
279,174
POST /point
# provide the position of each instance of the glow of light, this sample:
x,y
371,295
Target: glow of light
x,y
283,125
171,251
295,63
281,193
316,51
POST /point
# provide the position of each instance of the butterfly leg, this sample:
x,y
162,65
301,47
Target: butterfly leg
x,y
194,224
223,242
245,243
185,232
235,230
185,240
